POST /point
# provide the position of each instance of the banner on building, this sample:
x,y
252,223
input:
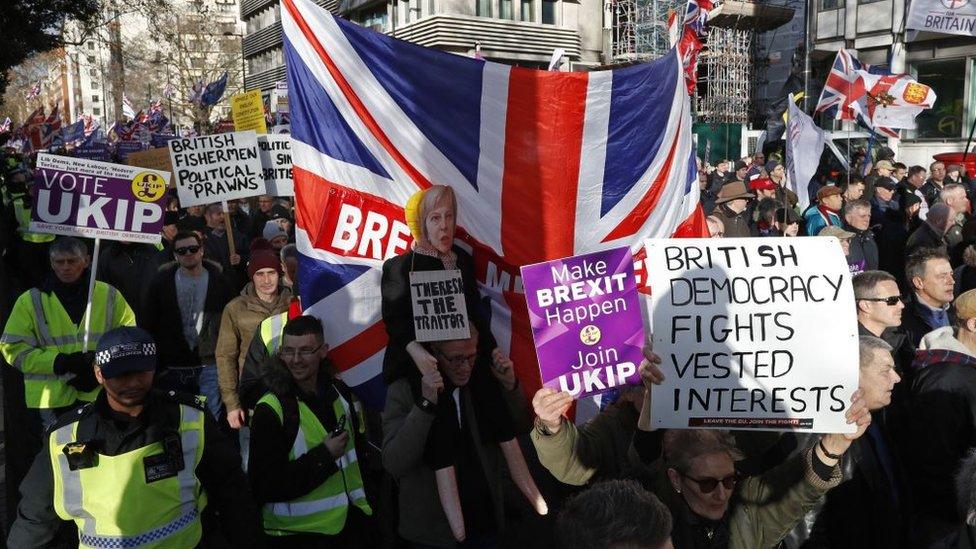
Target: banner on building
x,y
276,161
440,312
213,168
80,197
247,110
753,334
943,16
586,321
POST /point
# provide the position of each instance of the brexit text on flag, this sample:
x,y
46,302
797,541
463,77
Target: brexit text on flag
x,y
544,164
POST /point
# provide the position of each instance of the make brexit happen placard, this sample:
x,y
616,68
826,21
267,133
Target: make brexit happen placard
x,y
276,161
81,197
753,333
586,321
213,168
440,311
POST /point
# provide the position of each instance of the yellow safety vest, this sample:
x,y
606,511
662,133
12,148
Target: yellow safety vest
x,y
114,504
23,215
272,329
39,329
323,510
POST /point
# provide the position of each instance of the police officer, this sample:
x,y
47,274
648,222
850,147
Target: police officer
x,y
30,247
308,448
137,467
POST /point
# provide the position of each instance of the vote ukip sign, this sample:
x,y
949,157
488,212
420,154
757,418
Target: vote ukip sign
x,y
80,197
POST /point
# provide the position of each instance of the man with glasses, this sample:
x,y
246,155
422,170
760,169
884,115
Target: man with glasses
x,y
929,275
879,312
308,448
182,312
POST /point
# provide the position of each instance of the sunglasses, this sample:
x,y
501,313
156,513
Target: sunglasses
x,y
187,250
708,485
889,301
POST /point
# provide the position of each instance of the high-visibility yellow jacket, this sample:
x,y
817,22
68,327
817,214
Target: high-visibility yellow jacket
x,y
39,329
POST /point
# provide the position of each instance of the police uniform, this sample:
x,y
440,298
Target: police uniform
x,y
152,480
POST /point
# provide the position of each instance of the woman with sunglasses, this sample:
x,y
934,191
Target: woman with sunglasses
x,y
694,472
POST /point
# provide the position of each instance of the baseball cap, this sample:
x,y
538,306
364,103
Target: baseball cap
x,y
762,184
835,231
125,350
886,183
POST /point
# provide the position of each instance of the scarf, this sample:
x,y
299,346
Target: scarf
x,y
825,212
449,259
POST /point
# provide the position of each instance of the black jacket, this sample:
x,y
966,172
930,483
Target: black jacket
x,y
737,225
127,266
219,470
863,248
903,351
931,190
398,310
163,320
925,237
871,508
914,323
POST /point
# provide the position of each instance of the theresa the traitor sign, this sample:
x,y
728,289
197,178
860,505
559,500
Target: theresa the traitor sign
x,y
80,197
586,321
440,312
753,333
214,168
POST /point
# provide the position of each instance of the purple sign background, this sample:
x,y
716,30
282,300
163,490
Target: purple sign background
x,y
586,321
73,196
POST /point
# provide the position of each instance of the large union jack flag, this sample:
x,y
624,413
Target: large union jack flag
x,y
845,87
544,164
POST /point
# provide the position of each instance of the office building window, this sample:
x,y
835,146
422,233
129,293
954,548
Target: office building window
x,y
94,84
506,9
91,46
947,79
483,8
831,4
549,12
94,99
96,111
91,59
93,72
526,14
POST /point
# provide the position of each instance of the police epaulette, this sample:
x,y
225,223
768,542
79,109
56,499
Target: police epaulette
x,y
71,416
186,398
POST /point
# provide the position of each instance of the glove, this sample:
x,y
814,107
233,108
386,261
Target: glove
x,y
85,381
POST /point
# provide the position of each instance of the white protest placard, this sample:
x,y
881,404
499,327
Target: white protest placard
x,y
276,162
215,168
753,333
439,309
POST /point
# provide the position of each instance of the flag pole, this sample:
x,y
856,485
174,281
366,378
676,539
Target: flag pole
x,y
91,293
965,152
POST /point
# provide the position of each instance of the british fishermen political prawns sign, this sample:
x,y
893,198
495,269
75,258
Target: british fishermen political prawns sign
x,y
217,168
586,321
753,333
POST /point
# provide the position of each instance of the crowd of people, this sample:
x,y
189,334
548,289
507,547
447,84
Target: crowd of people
x,y
189,402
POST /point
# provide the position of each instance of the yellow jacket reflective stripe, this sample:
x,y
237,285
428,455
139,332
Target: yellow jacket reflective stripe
x,y
23,215
272,329
323,510
112,503
39,329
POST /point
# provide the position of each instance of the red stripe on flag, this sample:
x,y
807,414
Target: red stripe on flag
x,y
543,140
637,216
350,95
364,345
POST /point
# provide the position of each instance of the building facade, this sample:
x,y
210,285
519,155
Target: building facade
x,y
873,30
517,32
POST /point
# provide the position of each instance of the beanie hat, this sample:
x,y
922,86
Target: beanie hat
x,y
263,259
272,230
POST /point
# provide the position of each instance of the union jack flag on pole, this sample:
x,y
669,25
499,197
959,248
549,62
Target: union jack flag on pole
x,y
845,86
544,165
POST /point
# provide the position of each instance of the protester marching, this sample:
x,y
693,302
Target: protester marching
x,y
401,298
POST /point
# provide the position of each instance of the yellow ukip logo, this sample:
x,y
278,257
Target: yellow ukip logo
x,y
148,186
915,93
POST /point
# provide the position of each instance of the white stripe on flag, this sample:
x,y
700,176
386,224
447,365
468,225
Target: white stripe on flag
x,y
491,159
593,155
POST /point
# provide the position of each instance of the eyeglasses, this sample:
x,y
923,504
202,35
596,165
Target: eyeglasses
x,y
708,485
187,250
289,352
458,360
890,301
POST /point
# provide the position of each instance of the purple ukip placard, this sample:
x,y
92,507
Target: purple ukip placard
x,y
586,321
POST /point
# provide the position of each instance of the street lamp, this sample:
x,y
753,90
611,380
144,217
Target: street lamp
x,y
243,61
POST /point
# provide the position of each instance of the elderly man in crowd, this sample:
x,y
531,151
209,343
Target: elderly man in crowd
x,y
733,209
931,234
826,212
941,423
954,196
933,186
857,219
929,275
870,508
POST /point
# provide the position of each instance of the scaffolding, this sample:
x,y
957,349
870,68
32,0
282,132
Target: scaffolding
x,y
725,67
640,29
